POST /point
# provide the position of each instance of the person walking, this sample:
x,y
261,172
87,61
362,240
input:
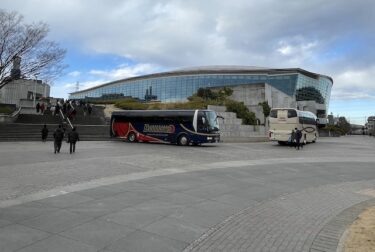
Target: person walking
x,y
52,109
84,110
44,133
89,109
37,107
298,138
292,138
42,108
58,136
73,137
57,109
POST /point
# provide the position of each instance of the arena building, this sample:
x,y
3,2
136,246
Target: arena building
x,y
289,87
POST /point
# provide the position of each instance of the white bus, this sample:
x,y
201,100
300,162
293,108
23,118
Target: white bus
x,y
283,120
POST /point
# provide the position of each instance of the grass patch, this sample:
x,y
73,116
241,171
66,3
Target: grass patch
x,y
6,109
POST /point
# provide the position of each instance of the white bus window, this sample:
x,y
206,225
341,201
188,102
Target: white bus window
x,y
273,113
292,113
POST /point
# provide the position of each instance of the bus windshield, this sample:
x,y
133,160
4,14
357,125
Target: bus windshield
x,y
211,120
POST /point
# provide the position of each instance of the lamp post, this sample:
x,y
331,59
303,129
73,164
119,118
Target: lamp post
x,y
36,81
45,89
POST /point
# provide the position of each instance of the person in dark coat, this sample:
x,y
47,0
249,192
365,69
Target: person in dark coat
x,y
73,137
44,133
37,107
57,109
298,138
89,109
58,135
292,138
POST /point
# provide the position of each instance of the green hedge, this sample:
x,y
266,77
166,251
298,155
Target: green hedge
x,y
242,112
6,110
130,104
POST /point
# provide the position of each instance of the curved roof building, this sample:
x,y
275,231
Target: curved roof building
x,y
179,84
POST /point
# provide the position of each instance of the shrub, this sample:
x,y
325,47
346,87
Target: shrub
x,y
266,108
207,94
6,110
131,104
242,112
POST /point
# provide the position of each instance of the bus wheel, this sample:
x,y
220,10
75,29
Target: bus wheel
x,y
132,137
183,140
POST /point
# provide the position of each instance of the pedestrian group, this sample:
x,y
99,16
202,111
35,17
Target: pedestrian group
x,y
295,139
58,137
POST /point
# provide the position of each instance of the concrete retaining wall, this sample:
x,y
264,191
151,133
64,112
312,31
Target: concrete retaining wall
x,y
232,129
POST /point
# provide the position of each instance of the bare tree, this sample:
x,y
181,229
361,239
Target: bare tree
x,y
28,41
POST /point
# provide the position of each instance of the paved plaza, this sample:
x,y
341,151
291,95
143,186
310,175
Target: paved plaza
x,y
117,196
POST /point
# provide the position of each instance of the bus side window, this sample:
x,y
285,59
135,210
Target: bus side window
x,y
292,113
273,113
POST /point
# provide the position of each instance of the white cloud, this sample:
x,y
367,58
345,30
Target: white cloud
x,y
90,84
180,33
354,84
169,34
124,71
74,74
71,87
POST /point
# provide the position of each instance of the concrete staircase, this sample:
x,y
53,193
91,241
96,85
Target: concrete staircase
x,y
232,129
28,127
32,132
38,119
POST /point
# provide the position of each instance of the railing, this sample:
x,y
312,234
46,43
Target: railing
x,y
11,117
65,118
15,113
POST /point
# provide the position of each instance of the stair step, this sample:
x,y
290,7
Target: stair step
x,y
32,132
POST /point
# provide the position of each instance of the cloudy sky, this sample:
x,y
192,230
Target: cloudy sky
x,y
113,39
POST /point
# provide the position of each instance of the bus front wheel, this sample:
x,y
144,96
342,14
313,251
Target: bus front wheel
x,y
132,137
183,140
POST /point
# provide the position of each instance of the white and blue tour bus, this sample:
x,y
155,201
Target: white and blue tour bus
x,y
283,120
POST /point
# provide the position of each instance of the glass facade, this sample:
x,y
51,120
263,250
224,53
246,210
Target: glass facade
x,y
310,89
177,87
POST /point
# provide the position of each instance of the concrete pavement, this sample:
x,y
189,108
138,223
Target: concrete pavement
x,y
117,196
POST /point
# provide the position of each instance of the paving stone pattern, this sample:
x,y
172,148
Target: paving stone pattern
x,y
288,223
116,197
332,237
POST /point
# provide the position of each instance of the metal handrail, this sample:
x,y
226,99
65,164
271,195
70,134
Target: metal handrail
x,y
16,112
70,124
65,117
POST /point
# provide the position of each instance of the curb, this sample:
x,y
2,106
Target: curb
x,y
333,235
